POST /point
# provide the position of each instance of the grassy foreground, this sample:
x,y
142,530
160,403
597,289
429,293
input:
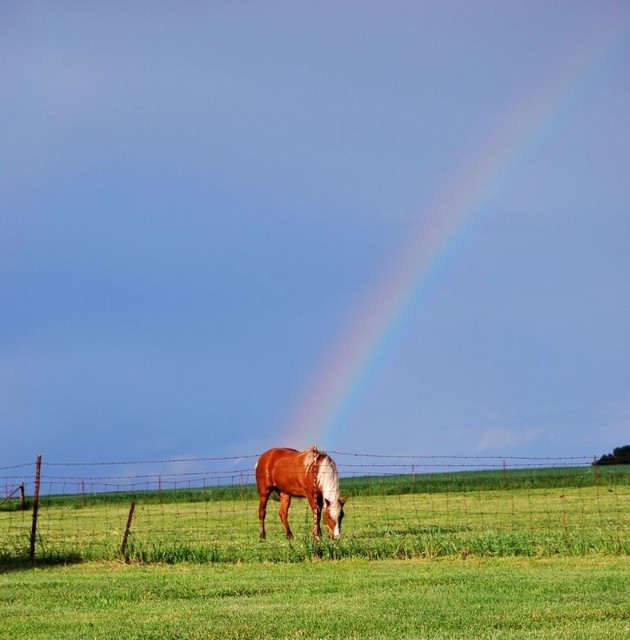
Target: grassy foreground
x,y
572,598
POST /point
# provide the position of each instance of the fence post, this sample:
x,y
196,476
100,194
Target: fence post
x,y
123,548
22,496
38,470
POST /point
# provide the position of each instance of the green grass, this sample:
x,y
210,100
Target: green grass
x,y
484,555
519,513
485,480
509,598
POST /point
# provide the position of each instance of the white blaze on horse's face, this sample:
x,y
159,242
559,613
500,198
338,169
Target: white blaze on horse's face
x,y
333,516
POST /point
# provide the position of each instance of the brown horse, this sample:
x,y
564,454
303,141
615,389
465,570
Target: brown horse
x,y
310,474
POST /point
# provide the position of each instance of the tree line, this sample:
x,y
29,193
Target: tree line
x,y
620,455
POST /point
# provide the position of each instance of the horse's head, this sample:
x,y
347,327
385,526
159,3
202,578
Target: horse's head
x,y
333,515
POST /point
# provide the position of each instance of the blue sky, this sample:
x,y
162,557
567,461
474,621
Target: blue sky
x,y
197,199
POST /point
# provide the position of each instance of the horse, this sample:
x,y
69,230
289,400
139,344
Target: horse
x,y
310,474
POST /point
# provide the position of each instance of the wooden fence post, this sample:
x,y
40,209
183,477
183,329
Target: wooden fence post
x,y
123,548
38,470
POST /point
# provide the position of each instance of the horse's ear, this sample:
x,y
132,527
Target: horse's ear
x,y
342,501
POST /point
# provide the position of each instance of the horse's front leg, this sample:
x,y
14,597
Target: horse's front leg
x,y
316,506
285,503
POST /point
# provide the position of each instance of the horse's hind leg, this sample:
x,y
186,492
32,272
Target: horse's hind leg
x,y
262,511
285,503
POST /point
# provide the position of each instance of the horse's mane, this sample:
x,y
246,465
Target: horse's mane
x,y
311,455
326,470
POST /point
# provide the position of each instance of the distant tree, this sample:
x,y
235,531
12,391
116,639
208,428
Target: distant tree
x,y
622,452
620,455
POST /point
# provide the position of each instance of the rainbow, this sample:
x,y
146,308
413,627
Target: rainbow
x,y
341,378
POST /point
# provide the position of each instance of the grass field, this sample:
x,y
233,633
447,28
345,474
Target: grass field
x,y
506,598
520,513
523,554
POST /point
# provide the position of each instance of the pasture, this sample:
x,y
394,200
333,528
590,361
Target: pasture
x,y
525,554
534,513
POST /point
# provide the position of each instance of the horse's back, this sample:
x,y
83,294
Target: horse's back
x,y
270,458
281,468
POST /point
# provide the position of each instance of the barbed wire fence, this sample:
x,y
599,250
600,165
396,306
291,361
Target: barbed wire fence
x,y
205,509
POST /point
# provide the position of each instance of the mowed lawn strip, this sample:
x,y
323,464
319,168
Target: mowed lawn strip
x,y
584,597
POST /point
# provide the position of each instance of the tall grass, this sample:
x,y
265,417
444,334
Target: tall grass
x,y
484,480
